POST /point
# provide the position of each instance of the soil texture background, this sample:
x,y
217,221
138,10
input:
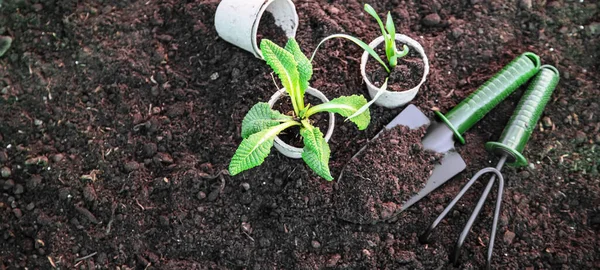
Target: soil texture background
x,y
118,120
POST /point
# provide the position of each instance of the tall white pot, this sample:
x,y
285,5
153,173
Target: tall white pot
x,y
393,99
237,21
295,152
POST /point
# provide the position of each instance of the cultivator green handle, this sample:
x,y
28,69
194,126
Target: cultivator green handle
x,y
493,91
524,119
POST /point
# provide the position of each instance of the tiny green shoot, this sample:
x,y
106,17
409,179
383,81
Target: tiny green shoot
x,y
262,124
389,36
388,31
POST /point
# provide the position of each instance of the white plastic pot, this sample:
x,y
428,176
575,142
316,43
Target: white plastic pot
x,y
295,152
237,21
393,99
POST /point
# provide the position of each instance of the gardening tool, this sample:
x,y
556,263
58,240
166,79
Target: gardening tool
x,y
440,135
509,148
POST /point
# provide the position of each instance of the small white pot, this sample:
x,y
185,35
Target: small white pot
x,y
237,21
295,152
393,99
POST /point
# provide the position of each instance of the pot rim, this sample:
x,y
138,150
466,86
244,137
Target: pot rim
x,y
295,152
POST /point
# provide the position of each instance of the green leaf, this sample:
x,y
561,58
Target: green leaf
x,y
404,51
389,25
285,66
345,106
316,150
303,111
254,149
365,107
261,117
390,42
369,9
305,69
358,42
5,43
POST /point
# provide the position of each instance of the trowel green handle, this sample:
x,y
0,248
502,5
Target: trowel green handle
x,y
478,104
524,119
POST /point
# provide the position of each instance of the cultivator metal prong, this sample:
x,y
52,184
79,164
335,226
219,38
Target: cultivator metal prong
x,y
454,257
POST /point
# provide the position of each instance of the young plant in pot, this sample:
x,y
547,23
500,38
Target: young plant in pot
x,y
395,95
262,124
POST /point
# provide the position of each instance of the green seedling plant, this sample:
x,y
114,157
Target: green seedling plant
x,y
262,124
389,36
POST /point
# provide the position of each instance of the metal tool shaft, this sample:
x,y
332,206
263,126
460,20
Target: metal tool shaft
x,y
454,257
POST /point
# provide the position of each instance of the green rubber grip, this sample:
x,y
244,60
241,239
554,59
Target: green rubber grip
x,y
525,118
491,93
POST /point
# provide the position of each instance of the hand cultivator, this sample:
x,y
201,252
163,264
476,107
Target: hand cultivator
x,y
508,148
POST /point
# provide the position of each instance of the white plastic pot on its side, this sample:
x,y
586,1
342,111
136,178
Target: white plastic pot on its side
x,y
295,152
393,99
237,21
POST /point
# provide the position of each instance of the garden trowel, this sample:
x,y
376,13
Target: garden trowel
x,y
441,134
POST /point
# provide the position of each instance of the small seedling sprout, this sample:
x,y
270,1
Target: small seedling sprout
x,y
389,36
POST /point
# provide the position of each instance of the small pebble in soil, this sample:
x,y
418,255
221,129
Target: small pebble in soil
x,y
201,195
34,181
245,186
164,158
366,253
5,172
547,122
131,166
246,198
19,189
149,149
509,237
333,10
64,194
57,157
457,33
17,212
580,137
278,181
213,195
89,193
333,260
264,242
8,184
87,214
163,220
30,206
525,4
3,157
315,244
432,19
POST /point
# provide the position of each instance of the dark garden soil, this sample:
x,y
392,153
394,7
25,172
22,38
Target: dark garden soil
x,y
291,135
119,118
267,29
406,75
376,183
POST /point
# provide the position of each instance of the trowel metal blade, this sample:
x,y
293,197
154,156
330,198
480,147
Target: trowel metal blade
x,y
411,117
438,138
451,165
